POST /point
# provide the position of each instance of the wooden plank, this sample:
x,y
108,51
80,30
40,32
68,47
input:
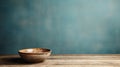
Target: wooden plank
x,y
59,66
81,60
87,57
79,56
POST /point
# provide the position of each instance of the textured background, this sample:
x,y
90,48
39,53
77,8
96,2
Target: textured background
x,y
65,26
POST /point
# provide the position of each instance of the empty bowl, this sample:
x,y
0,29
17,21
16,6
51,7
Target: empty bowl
x,y
34,54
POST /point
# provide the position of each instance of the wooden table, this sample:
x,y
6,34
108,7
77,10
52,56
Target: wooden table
x,y
78,60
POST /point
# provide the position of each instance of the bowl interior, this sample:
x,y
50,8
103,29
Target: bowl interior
x,y
34,50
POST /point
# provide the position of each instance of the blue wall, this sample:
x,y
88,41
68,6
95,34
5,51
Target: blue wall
x,y
65,26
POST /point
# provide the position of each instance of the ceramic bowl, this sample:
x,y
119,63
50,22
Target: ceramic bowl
x,y
34,54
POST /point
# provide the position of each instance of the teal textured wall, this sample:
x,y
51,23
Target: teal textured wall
x,y
65,26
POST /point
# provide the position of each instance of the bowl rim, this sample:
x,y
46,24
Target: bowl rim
x,y
46,52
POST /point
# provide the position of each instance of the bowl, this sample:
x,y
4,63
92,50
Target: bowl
x,y
34,54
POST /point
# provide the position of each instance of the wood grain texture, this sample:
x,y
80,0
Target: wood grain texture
x,y
74,60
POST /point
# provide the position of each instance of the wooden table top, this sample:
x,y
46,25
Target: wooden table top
x,y
68,60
